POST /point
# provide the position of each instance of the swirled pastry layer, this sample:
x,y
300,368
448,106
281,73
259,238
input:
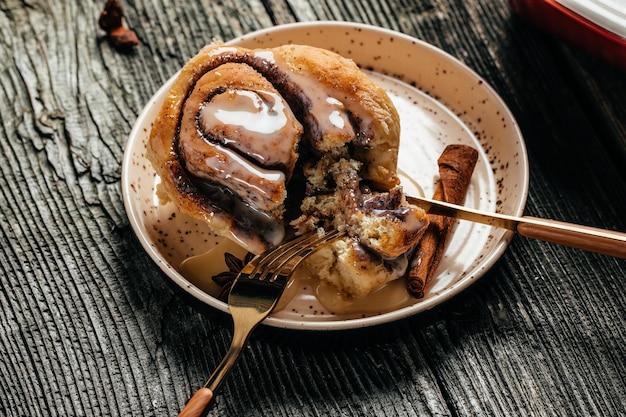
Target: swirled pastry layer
x,y
252,141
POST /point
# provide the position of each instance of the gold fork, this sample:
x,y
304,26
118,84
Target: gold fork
x,y
253,296
592,239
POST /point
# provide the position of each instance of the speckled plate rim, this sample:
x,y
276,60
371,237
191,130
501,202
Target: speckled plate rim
x,y
431,59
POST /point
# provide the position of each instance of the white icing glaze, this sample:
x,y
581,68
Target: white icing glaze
x,y
337,118
261,187
328,111
243,177
265,54
216,163
256,123
255,111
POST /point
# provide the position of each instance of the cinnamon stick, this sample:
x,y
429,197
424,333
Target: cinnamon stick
x,y
456,165
197,404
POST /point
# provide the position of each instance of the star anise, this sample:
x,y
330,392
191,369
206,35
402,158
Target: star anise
x,y
225,279
111,21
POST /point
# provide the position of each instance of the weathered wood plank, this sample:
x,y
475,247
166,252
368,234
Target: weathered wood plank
x,y
89,327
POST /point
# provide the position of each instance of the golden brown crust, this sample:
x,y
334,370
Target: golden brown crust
x,y
379,140
295,72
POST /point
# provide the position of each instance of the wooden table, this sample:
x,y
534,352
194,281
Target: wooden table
x,y
90,327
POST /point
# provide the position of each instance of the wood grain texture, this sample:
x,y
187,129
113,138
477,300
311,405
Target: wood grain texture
x,y
89,327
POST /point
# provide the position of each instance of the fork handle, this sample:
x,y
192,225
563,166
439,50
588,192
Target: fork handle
x,y
226,365
197,405
201,401
606,242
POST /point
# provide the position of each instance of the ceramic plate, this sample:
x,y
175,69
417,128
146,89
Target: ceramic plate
x,y
440,102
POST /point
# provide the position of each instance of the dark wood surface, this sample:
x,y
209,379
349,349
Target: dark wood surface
x,y
90,327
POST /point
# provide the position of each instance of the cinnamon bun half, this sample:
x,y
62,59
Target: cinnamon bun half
x,y
257,141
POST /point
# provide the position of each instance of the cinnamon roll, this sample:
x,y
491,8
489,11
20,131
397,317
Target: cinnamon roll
x,y
257,141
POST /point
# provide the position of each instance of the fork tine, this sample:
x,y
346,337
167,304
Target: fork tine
x,y
269,257
265,260
299,251
259,261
